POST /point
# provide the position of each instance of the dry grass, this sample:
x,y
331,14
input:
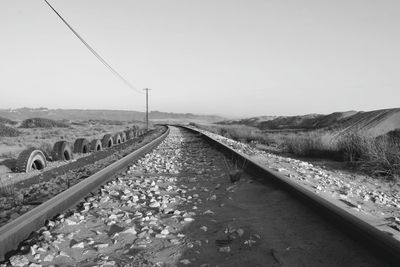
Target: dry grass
x,y
7,121
7,190
311,144
377,156
237,132
42,123
8,131
44,138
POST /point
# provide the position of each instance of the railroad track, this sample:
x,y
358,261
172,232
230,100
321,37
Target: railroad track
x,y
188,203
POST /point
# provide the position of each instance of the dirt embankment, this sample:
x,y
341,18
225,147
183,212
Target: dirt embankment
x,y
373,123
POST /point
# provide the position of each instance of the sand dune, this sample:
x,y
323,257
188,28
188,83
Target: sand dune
x,y
374,123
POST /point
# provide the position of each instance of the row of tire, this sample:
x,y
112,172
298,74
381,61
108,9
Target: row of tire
x,y
36,159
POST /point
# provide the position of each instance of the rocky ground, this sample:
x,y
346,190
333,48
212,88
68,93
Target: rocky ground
x,y
27,190
179,206
376,201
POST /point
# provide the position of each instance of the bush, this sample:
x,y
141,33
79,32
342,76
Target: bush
x,y
7,121
353,146
377,156
46,147
309,145
7,131
105,122
236,132
42,123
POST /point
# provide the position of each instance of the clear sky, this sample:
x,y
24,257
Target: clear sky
x,y
233,58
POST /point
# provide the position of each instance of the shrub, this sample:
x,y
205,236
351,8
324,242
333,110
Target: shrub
x,y
377,156
46,147
105,122
236,132
42,123
353,146
309,145
7,121
7,131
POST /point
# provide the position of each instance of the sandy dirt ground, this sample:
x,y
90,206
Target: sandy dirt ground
x,y
178,206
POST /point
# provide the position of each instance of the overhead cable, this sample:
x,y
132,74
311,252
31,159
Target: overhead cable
x,y
102,60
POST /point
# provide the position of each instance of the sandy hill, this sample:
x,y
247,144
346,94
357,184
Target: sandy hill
x,y
81,114
376,122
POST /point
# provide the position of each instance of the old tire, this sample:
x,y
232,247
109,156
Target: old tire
x,y
31,159
117,139
107,141
96,145
123,137
81,145
62,151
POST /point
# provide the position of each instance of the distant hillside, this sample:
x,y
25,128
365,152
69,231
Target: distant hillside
x,y
375,122
255,121
157,115
80,115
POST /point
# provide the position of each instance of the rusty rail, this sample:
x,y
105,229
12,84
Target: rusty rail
x,y
13,233
379,242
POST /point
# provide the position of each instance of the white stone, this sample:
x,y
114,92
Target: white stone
x,y
64,254
240,231
70,222
185,261
78,245
165,232
48,258
101,246
130,230
225,249
154,205
19,260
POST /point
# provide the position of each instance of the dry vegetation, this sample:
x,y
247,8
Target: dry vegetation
x,y
42,123
43,133
377,156
7,131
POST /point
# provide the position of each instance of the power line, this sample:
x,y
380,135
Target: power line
x,y
147,107
102,60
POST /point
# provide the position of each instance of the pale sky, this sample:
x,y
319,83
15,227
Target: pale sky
x,y
233,58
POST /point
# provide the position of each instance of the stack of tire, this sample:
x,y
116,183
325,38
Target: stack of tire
x,y
36,159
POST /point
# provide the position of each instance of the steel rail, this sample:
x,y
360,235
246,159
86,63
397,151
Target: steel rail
x,y
13,233
369,236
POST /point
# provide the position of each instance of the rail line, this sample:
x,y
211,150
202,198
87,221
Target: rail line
x,y
377,240
19,229
186,202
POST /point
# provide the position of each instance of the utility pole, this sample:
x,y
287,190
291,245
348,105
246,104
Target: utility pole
x,y
147,108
